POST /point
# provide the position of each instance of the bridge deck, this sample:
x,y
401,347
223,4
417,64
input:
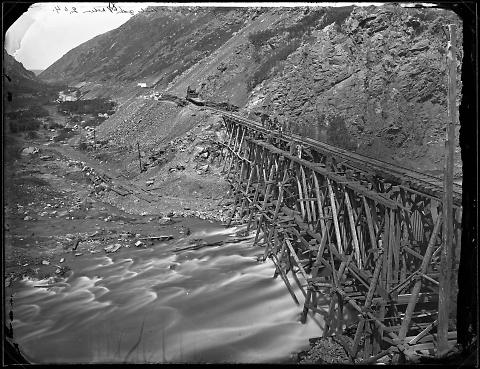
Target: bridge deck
x,y
364,232
427,184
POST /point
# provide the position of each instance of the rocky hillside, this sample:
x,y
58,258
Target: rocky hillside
x,y
151,47
17,78
375,83
368,79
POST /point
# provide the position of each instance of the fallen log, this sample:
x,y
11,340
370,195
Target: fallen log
x,y
199,246
162,238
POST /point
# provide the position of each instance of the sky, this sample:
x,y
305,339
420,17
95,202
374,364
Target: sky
x,y
47,31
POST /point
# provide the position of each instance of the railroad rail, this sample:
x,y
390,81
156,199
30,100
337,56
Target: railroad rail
x,y
344,160
337,156
365,233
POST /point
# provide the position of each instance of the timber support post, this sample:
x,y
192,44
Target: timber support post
x,y
349,229
446,264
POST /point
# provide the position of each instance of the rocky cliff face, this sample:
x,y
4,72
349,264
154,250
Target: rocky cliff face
x,y
376,83
368,79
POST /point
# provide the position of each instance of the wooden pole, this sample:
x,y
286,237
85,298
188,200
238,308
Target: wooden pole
x,y
446,255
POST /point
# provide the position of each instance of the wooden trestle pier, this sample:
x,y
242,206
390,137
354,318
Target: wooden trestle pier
x,y
353,229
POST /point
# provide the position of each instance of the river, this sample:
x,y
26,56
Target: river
x,y
217,304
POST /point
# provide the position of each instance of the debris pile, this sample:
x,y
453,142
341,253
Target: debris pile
x,y
326,350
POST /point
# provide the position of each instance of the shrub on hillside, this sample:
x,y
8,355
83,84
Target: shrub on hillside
x,y
295,33
96,121
24,125
275,59
338,135
305,24
53,125
64,134
30,135
93,106
32,112
260,37
38,111
295,30
82,145
338,15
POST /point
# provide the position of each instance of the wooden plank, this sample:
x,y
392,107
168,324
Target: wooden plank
x,y
394,248
353,230
305,191
371,230
302,289
368,303
238,197
364,277
232,133
416,289
412,252
354,186
446,265
297,260
335,216
378,356
418,337
264,204
369,314
245,199
300,195
284,277
280,257
319,202
255,197
385,239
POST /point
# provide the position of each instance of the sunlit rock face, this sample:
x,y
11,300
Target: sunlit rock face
x,y
383,72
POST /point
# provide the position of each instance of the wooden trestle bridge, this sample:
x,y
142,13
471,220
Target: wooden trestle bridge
x,y
359,231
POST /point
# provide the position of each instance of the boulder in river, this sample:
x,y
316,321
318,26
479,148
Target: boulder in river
x,y
31,150
112,248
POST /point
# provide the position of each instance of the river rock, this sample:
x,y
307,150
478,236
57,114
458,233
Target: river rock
x,y
112,248
31,150
165,220
242,233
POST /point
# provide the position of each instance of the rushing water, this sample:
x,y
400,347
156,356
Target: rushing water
x,y
216,304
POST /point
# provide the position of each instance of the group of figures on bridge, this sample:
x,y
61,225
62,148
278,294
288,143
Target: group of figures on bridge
x,y
347,234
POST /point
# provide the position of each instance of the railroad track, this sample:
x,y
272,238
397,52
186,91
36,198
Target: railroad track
x,y
417,180
422,182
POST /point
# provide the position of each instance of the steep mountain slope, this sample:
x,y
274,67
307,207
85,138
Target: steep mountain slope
x,y
258,51
376,83
151,47
17,78
368,79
